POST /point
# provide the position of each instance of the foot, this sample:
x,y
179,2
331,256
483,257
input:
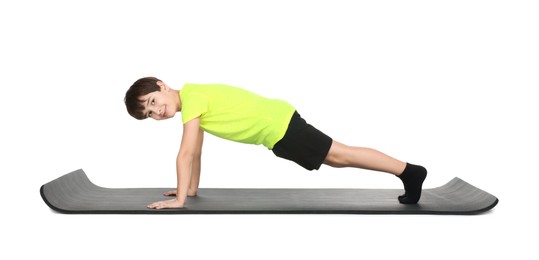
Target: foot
x,y
412,177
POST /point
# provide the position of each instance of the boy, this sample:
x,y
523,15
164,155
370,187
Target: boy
x,y
239,115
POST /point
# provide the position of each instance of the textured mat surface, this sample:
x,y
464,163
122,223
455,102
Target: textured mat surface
x,y
75,193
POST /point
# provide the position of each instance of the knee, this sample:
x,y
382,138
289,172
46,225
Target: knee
x,y
334,164
337,158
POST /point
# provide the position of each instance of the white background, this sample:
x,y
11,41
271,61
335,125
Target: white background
x,y
449,85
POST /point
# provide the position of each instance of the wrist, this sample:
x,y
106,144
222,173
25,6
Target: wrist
x,y
179,199
180,203
192,192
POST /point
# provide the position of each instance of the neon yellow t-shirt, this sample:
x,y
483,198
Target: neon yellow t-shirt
x,y
236,114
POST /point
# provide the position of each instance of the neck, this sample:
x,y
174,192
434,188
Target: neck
x,y
177,94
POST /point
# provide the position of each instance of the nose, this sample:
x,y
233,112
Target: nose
x,y
158,111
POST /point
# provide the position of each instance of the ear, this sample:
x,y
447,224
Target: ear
x,y
162,85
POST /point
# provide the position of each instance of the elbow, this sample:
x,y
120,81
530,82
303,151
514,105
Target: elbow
x,y
186,157
189,156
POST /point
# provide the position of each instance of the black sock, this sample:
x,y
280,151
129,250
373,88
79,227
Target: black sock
x,y
412,177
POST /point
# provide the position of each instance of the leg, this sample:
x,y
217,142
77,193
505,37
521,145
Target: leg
x,y
412,176
341,155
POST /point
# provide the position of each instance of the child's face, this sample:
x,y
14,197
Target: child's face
x,y
162,104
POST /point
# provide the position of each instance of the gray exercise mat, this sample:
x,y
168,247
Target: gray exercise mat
x,y
75,193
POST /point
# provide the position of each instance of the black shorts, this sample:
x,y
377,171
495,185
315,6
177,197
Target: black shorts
x,y
303,144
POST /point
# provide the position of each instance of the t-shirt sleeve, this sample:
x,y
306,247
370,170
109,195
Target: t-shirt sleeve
x,y
193,106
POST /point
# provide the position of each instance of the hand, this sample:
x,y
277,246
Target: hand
x,y
190,193
166,204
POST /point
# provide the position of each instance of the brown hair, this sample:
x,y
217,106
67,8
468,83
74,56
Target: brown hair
x,y
140,88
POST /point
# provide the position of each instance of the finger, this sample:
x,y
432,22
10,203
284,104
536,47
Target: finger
x,y
169,193
153,205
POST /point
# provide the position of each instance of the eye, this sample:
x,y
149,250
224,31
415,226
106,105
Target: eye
x,y
149,114
153,102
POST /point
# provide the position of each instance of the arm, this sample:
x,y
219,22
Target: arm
x,y
185,162
195,169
